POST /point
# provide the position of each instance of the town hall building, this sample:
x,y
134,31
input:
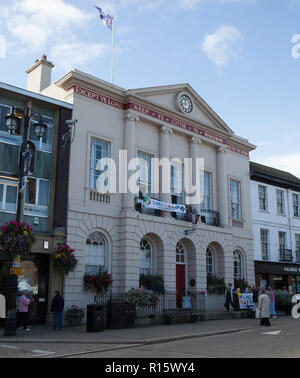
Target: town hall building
x,y
118,232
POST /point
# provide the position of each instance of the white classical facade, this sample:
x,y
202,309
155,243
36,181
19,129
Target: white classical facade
x,y
115,231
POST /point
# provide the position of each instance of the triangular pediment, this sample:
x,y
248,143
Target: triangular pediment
x,y
168,98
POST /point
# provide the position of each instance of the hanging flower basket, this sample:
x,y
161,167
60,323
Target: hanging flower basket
x,y
100,282
16,239
65,259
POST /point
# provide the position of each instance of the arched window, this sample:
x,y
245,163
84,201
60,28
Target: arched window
x,y
96,254
146,256
238,265
210,262
180,253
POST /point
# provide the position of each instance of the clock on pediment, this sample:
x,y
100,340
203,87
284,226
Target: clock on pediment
x,y
184,103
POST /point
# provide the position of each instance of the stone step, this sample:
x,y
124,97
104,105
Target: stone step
x,y
220,315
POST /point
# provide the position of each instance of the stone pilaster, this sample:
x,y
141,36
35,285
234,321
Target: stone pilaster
x,y
222,187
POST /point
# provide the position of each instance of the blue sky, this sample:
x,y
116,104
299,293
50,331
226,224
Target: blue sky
x,y
237,54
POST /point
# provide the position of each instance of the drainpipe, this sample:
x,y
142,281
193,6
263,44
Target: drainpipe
x,y
289,218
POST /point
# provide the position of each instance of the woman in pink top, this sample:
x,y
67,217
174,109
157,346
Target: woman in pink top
x,y
23,311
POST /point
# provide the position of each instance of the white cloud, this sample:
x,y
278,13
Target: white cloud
x,y
191,4
73,55
113,7
222,45
289,163
33,23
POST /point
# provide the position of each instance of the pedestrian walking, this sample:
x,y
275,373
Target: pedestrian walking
x,y
264,307
57,308
23,311
2,307
229,297
271,293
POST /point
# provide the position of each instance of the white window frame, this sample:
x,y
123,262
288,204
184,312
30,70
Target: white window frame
x,y
263,200
35,209
265,244
96,237
280,205
282,236
6,183
208,196
92,170
145,185
39,142
239,198
210,255
146,243
176,167
296,205
238,261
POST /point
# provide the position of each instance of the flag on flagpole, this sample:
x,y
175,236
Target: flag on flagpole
x,y
108,21
105,18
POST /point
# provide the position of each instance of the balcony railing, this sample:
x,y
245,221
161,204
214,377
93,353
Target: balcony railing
x,y
285,255
141,208
211,218
184,217
298,256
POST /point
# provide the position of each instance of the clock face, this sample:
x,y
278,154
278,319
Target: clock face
x,y
185,103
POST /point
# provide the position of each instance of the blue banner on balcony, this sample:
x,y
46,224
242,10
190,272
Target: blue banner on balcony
x,y
165,206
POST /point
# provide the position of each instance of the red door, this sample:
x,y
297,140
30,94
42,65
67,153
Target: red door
x,y
180,284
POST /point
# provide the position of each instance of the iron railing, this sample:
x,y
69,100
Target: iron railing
x,y
141,208
209,217
168,300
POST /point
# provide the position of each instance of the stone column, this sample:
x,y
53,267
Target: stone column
x,y
129,146
222,187
194,154
165,133
129,247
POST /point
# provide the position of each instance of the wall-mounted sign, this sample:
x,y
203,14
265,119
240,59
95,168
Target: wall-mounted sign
x,y
186,302
291,269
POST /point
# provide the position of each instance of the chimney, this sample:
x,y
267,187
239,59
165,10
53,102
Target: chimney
x,y
39,75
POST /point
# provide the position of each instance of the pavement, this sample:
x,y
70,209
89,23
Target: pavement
x,y
138,335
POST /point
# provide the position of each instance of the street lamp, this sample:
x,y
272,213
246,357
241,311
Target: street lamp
x,y
25,167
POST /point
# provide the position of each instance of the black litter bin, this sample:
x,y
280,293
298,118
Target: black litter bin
x,y
95,321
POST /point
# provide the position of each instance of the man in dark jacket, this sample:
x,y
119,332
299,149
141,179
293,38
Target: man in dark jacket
x,y
255,293
57,307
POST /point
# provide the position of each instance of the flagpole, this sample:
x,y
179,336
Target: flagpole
x,y
113,52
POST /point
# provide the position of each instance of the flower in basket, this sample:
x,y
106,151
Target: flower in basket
x,y
141,298
16,239
152,282
101,281
88,280
74,312
65,259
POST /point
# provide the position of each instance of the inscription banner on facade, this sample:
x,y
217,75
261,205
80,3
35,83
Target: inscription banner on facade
x,y
160,116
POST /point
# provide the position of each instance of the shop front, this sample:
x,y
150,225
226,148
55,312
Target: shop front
x,y
35,281
279,276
